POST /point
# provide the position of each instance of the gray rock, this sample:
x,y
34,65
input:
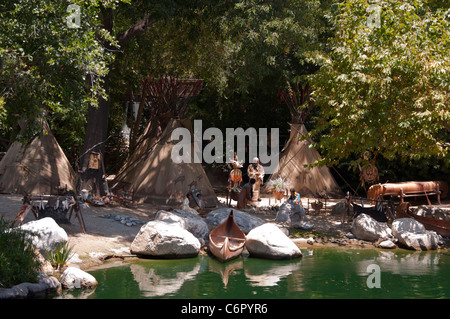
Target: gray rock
x,y
246,222
268,241
341,208
304,225
125,220
189,221
165,240
76,278
45,284
48,233
413,235
291,214
366,228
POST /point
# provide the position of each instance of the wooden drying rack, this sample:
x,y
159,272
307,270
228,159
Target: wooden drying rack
x,y
29,205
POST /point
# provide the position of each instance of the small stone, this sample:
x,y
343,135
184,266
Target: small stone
x,y
387,244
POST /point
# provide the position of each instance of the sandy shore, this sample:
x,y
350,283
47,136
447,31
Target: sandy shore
x,y
105,237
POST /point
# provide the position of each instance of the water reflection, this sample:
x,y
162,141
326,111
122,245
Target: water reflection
x,y
167,278
226,270
160,280
269,273
320,273
406,264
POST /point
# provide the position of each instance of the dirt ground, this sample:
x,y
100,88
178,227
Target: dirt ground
x,y
106,237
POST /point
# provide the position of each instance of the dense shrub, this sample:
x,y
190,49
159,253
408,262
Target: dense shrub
x,y
18,259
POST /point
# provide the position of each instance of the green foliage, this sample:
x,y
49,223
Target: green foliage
x,y
45,64
384,86
59,255
18,260
4,129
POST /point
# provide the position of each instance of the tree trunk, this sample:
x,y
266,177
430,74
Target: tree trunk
x,y
91,176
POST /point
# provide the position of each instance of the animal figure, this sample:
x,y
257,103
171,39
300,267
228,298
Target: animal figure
x,y
377,213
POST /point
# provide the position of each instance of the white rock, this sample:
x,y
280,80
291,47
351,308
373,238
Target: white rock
x,y
161,239
49,233
413,234
268,241
76,278
191,222
387,244
349,235
365,227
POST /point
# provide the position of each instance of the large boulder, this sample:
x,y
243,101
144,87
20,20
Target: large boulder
x,y
165,240
365,227
48,233
76,278
291,214
246,222
268,241
413,235
191,222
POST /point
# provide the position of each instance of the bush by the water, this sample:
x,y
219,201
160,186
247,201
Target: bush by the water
x,y
18,260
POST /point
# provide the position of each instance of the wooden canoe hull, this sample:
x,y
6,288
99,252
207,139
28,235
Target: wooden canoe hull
x,y
405,189
226,241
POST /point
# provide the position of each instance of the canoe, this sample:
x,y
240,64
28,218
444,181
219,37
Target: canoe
x,y
442,227
408,189
227,240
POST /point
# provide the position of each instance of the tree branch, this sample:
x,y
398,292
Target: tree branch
x,y
139,28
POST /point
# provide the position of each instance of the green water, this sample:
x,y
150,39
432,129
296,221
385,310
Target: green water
x,y
320,273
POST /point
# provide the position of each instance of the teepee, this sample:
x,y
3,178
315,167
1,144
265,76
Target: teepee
x,y
154,177
39,167
314,181
297,153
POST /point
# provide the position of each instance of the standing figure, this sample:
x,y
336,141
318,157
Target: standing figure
x,y
256,171
235,178
245,195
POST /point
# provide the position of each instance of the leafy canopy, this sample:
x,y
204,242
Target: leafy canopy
x,y
384,85
46,63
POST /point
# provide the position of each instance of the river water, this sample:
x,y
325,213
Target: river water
x,y
321,273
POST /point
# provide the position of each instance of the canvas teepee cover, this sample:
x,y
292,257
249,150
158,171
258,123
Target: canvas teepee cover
x,y
314,181
153,177
36,168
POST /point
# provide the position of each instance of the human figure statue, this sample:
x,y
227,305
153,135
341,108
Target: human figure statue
x,y
235,177
245,195
256,171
